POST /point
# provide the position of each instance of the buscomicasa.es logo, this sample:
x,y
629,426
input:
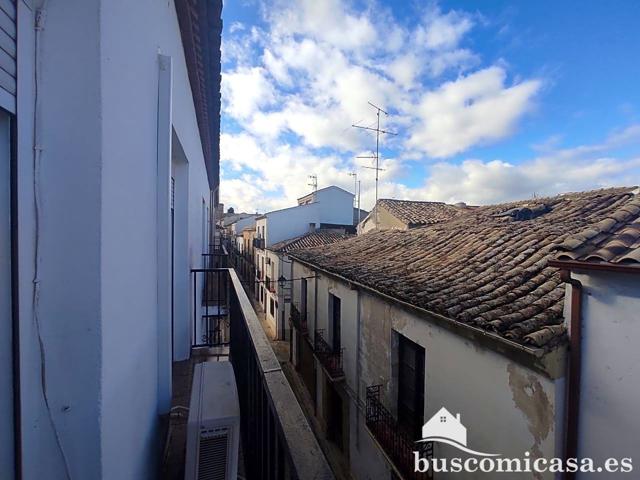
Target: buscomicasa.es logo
x,y
445,428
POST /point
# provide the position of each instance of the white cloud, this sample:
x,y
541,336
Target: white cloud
x,y
472,110
245,90
443,31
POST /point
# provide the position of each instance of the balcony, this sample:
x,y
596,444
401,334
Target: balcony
x,y
397,442
298,319
270,285
217,257
276,439
330,359
258,243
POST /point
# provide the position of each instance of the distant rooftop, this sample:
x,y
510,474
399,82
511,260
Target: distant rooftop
x,y
416,213
309,240
490,267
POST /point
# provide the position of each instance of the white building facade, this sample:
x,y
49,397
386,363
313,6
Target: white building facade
x,y
329,207
110,166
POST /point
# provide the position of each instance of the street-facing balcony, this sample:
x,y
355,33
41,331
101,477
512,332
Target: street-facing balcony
x,y
298,319
330,358
276,439
397,442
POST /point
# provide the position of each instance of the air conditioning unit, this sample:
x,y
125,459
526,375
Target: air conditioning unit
x,y
213,428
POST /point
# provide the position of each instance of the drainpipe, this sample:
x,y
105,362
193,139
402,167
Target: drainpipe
x,y
572,414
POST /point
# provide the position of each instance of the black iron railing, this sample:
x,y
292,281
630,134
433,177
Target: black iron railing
x,y
298,319
396,441
330,359
258,243
217,257
277,441
210,322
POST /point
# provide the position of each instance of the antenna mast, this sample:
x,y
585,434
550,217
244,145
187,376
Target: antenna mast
x,y
313,182
378,131
356,192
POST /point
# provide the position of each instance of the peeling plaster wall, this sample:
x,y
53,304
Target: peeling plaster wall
x,y
506,407
609,424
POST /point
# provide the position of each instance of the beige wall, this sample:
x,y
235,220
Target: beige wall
x,y
386,221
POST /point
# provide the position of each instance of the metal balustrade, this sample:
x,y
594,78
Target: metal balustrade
x,y
396,441
330,359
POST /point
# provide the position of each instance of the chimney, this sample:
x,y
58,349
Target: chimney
x,y
458,417
312,227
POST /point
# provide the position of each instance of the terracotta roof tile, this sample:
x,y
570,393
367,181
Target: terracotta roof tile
x,y
615,239
490,270
415,213
308,240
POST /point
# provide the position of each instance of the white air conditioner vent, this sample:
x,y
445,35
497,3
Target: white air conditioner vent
x,y
214,450
213,429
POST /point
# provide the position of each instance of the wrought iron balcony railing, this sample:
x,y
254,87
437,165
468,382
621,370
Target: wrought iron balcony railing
x,y
330,359
396,441
258,243
298,319
277,441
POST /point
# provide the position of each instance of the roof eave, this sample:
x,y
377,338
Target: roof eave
x,y
549,362
579,265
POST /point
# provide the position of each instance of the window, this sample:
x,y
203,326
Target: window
x,y
334,309
303,296
271,307
411,385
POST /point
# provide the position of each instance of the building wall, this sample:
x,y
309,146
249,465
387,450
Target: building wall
x,y
386,221
507,407
335,205
290,222
93,330
610,365
240,225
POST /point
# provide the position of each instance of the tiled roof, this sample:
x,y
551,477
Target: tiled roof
x,y
488,268
415,213
616,239
308,240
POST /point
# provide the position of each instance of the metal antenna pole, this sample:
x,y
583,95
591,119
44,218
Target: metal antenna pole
x,y
314,182
378,131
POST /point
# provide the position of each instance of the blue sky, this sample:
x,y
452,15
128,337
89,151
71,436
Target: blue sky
x,y
492,100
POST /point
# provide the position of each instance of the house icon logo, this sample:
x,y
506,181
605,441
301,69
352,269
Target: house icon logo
x,y
443,427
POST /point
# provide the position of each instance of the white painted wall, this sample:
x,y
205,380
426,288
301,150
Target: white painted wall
x,y
236,228
609,426
97,305
335,205
6,328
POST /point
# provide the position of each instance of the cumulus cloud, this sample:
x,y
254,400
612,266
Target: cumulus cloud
x,y
478,108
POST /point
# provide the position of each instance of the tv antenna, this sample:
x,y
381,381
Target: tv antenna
x,y
378,131
313,182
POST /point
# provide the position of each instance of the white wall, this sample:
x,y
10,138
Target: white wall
x,y
609,425
290,222
243,223
97,317
133,34
6,328
335,205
